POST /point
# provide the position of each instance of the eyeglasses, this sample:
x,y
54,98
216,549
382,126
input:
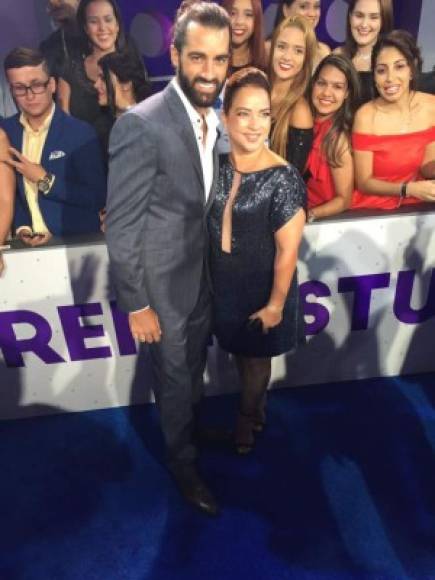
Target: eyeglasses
x,y
36,88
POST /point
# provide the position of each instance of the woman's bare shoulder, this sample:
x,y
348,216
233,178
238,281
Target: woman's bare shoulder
x,y
364,118
424,99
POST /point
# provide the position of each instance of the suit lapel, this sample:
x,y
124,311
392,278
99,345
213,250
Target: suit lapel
x,y
215,179
183,127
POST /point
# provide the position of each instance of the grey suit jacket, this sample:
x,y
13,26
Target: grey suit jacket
x,y
156,208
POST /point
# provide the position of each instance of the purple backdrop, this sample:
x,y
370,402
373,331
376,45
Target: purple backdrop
x,y
25,22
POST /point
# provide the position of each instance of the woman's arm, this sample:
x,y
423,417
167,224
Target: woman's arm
x,y
366,183
343,178
7,193
63,95
428,165
287,240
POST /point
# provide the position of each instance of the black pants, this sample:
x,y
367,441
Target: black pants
x,y
179,362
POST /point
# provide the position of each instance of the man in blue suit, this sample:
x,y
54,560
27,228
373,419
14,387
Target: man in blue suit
x,y
61,182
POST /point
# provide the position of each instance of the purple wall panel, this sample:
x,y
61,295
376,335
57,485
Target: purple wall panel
x,y
25,22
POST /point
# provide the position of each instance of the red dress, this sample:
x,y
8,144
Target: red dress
x,y
396,158
320,185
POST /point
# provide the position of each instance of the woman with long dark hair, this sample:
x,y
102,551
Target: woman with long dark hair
x,y
101,32
366,21
247,34
291,59
255,225
334,97
120,84
309,9
393,135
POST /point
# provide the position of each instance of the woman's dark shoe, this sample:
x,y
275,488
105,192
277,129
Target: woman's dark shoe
x,y
259,421
244,435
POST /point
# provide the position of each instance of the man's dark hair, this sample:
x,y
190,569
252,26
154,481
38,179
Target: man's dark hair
x,y
206,14
22,56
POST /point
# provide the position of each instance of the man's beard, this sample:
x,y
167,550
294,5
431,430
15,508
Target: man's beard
x,y
197,98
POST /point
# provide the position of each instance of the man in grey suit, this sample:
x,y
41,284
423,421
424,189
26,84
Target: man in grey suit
x,y
161,174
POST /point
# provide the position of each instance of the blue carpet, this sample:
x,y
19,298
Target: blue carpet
x,y
340,486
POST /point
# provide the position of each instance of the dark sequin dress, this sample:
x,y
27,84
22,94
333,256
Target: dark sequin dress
x,y
243,279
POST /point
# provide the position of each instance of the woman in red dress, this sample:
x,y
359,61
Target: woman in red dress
x,y
334,93
392,133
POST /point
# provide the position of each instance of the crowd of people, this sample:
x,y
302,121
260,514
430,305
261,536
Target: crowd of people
x,y
337,117
310,132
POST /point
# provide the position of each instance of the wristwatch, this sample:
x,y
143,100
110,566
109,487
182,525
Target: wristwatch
x,y
44,184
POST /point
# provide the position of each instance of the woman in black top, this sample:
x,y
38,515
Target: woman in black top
x,y
101,30
292,52
120,84
366,20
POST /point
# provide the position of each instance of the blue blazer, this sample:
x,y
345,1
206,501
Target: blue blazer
x,y
72,154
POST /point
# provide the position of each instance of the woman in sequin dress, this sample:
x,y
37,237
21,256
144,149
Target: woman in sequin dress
x,y
255,226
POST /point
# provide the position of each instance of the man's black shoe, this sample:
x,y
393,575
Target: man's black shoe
x,y
194,490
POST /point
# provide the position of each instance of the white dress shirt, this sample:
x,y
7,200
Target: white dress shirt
x,y
205,149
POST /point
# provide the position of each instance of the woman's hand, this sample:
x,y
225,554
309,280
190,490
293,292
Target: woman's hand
x,y
424,190
102,215
270,316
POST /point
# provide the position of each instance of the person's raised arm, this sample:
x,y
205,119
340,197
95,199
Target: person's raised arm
x,y
7,193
